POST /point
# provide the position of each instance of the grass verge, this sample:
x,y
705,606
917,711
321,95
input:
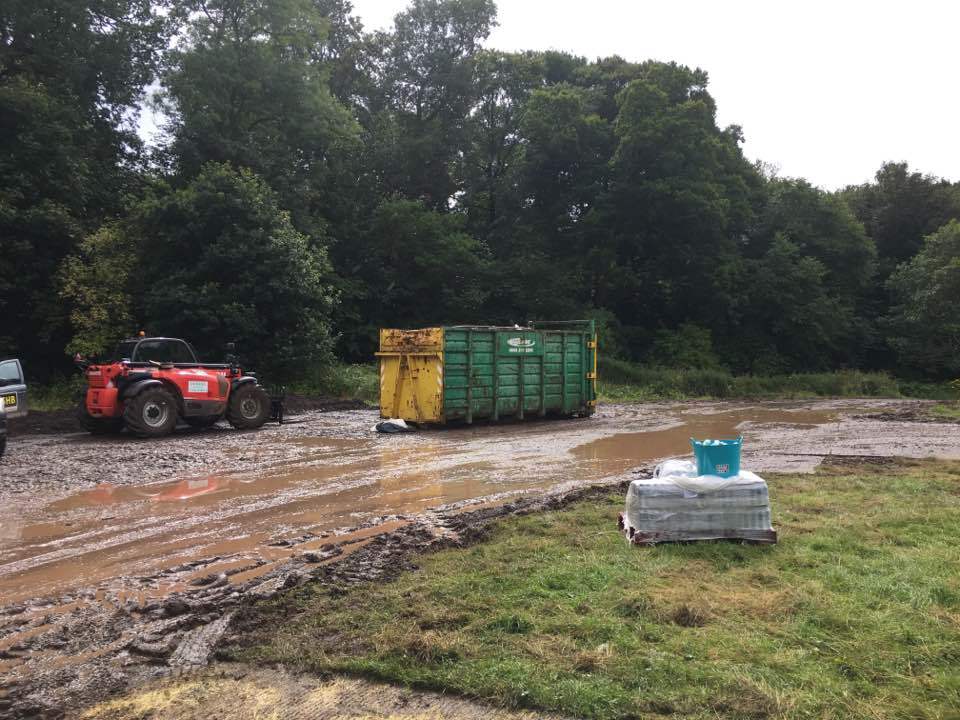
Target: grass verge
x,y
347,382
59,394
627,382
856,613
619,382
946,411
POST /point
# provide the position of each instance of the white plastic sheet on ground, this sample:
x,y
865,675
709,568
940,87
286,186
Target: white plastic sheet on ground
x,y
393,425
676,502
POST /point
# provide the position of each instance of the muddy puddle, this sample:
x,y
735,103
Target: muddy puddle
x,y
619,452
110,531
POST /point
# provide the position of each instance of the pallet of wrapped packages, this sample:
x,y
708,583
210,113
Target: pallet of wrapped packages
x,y
677,505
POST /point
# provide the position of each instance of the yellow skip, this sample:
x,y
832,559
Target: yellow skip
x,y
411,374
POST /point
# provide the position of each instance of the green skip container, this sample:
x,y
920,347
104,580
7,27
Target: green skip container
x,y
466,373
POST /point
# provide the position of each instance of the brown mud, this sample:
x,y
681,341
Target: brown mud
x,y
55,422
44,422
910,414
124,560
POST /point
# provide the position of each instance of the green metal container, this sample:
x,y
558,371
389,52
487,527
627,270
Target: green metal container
x,y
467,373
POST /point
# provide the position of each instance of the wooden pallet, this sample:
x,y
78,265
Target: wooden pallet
x,y
766,537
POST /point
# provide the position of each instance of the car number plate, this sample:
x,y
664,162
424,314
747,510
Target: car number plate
x,y
10,400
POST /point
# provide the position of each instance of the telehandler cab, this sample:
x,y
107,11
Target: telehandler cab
x,y
151,382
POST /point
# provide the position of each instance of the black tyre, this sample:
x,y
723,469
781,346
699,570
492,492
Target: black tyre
x,y
152,413
3,445
201,421
249,407
97,426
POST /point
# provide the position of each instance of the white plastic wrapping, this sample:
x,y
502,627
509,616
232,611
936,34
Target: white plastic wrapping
x,y
676,504
675,467
684,474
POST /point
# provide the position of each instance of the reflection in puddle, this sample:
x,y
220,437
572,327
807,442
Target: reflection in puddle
x,y
110,531
622,451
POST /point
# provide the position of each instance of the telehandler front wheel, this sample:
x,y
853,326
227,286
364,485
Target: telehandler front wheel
x,y
249,407
151,413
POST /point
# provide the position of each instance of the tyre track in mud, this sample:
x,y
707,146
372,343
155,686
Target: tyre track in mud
x,y
64,651
326,473
104,653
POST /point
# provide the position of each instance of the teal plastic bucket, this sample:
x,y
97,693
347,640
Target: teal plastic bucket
x,y
719,457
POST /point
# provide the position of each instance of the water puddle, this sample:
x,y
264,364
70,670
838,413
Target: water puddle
x,y
93,537
618,453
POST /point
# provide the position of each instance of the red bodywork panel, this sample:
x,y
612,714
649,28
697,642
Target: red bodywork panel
x,y
206,387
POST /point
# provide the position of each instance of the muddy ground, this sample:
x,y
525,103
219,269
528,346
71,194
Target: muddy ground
x,y
56,422
124,560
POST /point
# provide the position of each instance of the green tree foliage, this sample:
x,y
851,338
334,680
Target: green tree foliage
x,y
621,178
900,209
425,89
788,319
681,197
822,227
494,144
70,72
689,346
219,261
807,265
924,321
414,267
97,282
541,237
249,85
341,50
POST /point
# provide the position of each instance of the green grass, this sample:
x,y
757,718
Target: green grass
x,y
60,394
627,382
348,382
946,411
856,613
619,382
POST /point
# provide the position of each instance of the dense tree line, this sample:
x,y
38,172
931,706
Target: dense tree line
x,y
315,182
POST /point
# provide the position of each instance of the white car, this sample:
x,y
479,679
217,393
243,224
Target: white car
x,y
3,429
13,388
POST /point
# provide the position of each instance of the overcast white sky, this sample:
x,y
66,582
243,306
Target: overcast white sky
x,y
823,90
